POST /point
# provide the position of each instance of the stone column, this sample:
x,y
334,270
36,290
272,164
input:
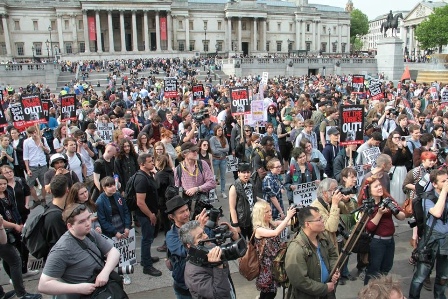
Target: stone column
x,y
348,46
229,34
146,30
263,45
411,40
111,32
239,35
169,29
122,32
254,46
319,35
85,23
134,32
6,33
187,33
60,36
158,31
74,34
303,23
298,40
338,46
98,31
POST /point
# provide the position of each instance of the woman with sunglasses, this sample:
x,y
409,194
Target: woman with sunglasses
x,y
273,116
205,153
113,214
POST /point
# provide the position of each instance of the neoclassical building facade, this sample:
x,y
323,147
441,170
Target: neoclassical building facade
x,y
83,28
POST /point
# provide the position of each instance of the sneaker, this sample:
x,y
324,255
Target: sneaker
x,y
224,196
427,284
126,279
152,271
362,275
349,277
155,259
342,281
8,295
30,273
31,296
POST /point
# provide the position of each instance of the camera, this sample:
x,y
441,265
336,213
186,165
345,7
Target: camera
x,y
83,138
403,138
213,215
129,269
295,224
393,112
347,191
412,223
387,203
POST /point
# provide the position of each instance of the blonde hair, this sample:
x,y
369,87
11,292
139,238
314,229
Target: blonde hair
x,y
258,212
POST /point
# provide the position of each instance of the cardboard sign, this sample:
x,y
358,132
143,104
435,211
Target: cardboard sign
x,y
375,91
170,87
305,194
239,99
257,110
105,131
32,110
232,163
17,116
68,107
371,154
358,83
198,92
126,247
351,118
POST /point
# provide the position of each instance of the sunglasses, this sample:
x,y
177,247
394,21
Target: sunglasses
x,y
76,211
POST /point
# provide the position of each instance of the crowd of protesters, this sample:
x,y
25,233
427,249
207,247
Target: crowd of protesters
x,y
182,139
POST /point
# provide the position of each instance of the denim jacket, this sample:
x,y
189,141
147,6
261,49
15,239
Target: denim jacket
x,y
104,210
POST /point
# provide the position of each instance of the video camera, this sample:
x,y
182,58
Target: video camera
x,y
200,116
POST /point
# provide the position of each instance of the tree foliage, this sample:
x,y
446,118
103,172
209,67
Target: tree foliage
x,y
357,44
433,32
359,23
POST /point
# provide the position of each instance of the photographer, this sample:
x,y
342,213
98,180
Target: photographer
x,y
434,238
211,279
381,226
387,121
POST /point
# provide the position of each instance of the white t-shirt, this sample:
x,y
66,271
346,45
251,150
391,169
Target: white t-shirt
x,y
75,165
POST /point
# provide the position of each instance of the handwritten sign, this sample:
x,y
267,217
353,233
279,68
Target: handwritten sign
x,y
305,194
105,131
257,110
126,247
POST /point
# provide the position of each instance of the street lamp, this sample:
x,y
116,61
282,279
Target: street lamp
x,y
47,43
329,31
205,39
51,43
289,41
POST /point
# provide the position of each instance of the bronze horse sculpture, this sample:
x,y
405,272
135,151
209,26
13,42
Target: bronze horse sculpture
x,y
393,25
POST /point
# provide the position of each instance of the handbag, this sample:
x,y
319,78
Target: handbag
x,y
249,265
391,175
407,207
363,243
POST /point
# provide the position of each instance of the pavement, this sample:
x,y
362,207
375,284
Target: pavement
x,y
145,286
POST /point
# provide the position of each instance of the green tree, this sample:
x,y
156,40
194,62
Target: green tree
x,y
359,24
433,32
357,44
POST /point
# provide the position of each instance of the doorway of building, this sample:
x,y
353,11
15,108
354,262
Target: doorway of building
x,y
128,40
245,48
153,41
313,72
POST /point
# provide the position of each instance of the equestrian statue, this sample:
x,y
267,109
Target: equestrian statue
x,y
391,23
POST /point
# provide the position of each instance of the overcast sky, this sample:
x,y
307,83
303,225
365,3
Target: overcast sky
x,y
372,8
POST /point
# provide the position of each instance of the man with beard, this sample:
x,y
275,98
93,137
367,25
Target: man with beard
x,y
259,162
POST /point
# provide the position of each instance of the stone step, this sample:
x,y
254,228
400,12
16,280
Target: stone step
x,y
431,76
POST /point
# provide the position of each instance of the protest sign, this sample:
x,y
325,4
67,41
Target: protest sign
x,y
434,93
3,122
240,103
305,194
351,118
198,92
68,107
126,247
408,109
264,78
212,196
232,163
359,174
17,116
358,83
46,108
105,131
257,110
444,96
32,110
371,154
170,87
375,91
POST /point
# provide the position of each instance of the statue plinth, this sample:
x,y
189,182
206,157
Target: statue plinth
x,y
390,58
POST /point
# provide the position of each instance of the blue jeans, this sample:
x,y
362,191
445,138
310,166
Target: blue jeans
x,y
147,239
423,270
180,296
221,166
381,258
344,271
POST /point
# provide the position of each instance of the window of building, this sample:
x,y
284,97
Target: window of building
x,y
219,44
3,49
219,25
334,47
324,29
35,26
323,47
180,24
20,51
68,48
80,25
191,25
267,46
279,46
279,26
290,46
205,25
181,45
244,25
53,25
82,47
192,45
37,48
17,25
234,46
308,27
267,26
290,27
205,45
66,25
398,30
308,46
343,47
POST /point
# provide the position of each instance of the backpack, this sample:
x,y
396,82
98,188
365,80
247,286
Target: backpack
x,y
77,155
129,193
33,234
417,208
